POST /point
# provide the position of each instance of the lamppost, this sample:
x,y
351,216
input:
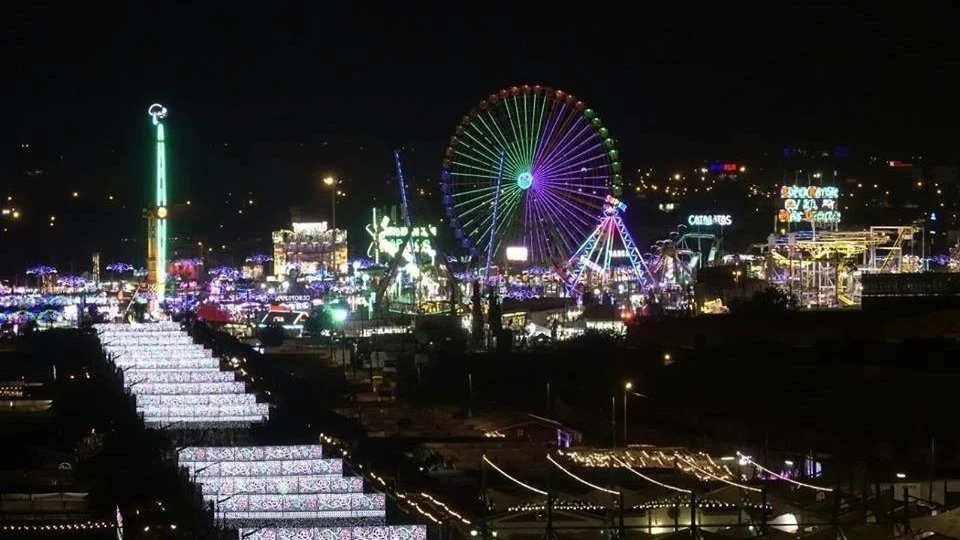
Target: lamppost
x,y
628,386
331,183
627,391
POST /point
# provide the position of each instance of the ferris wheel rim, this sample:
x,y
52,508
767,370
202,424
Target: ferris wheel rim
x,y
603,153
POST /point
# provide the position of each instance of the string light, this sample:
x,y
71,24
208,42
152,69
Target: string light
x,y
574,505
581,480
704,504
781,477
724,480
446,508
399,496
648,479
87,525
648,457
514,480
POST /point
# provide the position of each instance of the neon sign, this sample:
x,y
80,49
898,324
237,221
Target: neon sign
x,y
615,203
814,204
718,167
722,220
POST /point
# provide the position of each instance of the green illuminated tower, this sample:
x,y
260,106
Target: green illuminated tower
x,y
157,216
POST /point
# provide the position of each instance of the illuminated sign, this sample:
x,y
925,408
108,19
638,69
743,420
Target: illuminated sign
x,y
391,232
718,167
387,239
814,204
292,298
616,203
310,228
899,164
721,220
517,253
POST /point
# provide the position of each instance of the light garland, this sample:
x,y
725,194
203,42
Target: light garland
x,y
162,326
11,391
574,505
195,400
648,479
413,504
386,532
86,525
581,480
256,485
169,389
137,376
137,351
401,497
649,457
446,508
153,339
245,453
197,363
486,460
703,504
782,477
176,381
724,480
370,504
205,412
266,468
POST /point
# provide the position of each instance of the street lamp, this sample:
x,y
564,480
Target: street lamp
x,y
627,387
627,391
331,183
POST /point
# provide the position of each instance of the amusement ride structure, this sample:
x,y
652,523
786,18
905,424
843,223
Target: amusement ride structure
x,y
532,176
418,278
824,268
157,215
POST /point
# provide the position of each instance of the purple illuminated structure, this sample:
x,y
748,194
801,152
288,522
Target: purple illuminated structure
x,y
530,167
609,257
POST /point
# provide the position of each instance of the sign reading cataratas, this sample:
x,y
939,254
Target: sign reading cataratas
x,y
721,220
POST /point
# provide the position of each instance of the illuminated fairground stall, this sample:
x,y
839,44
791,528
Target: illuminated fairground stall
x,y
309,249
417,279
820,264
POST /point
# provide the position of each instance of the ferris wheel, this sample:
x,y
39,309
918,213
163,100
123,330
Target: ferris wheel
x,y
529,167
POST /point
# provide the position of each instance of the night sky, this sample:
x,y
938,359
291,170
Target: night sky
x,y
266,101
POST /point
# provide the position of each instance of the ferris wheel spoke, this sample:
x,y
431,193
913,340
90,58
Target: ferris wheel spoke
x,y
556,225
565,150
581,171
570,209
482,151
486,224
567,126
577,157
590,196
491,127
556,131
546,132
510,208
471,207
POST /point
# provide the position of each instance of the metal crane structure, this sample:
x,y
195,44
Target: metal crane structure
x,y
414,246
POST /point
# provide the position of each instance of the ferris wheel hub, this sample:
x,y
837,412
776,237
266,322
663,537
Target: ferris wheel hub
x,y
524,180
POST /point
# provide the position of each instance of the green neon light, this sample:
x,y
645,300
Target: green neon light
x,y
158,112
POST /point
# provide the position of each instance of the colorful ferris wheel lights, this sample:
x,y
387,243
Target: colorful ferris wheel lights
x,y
529,166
